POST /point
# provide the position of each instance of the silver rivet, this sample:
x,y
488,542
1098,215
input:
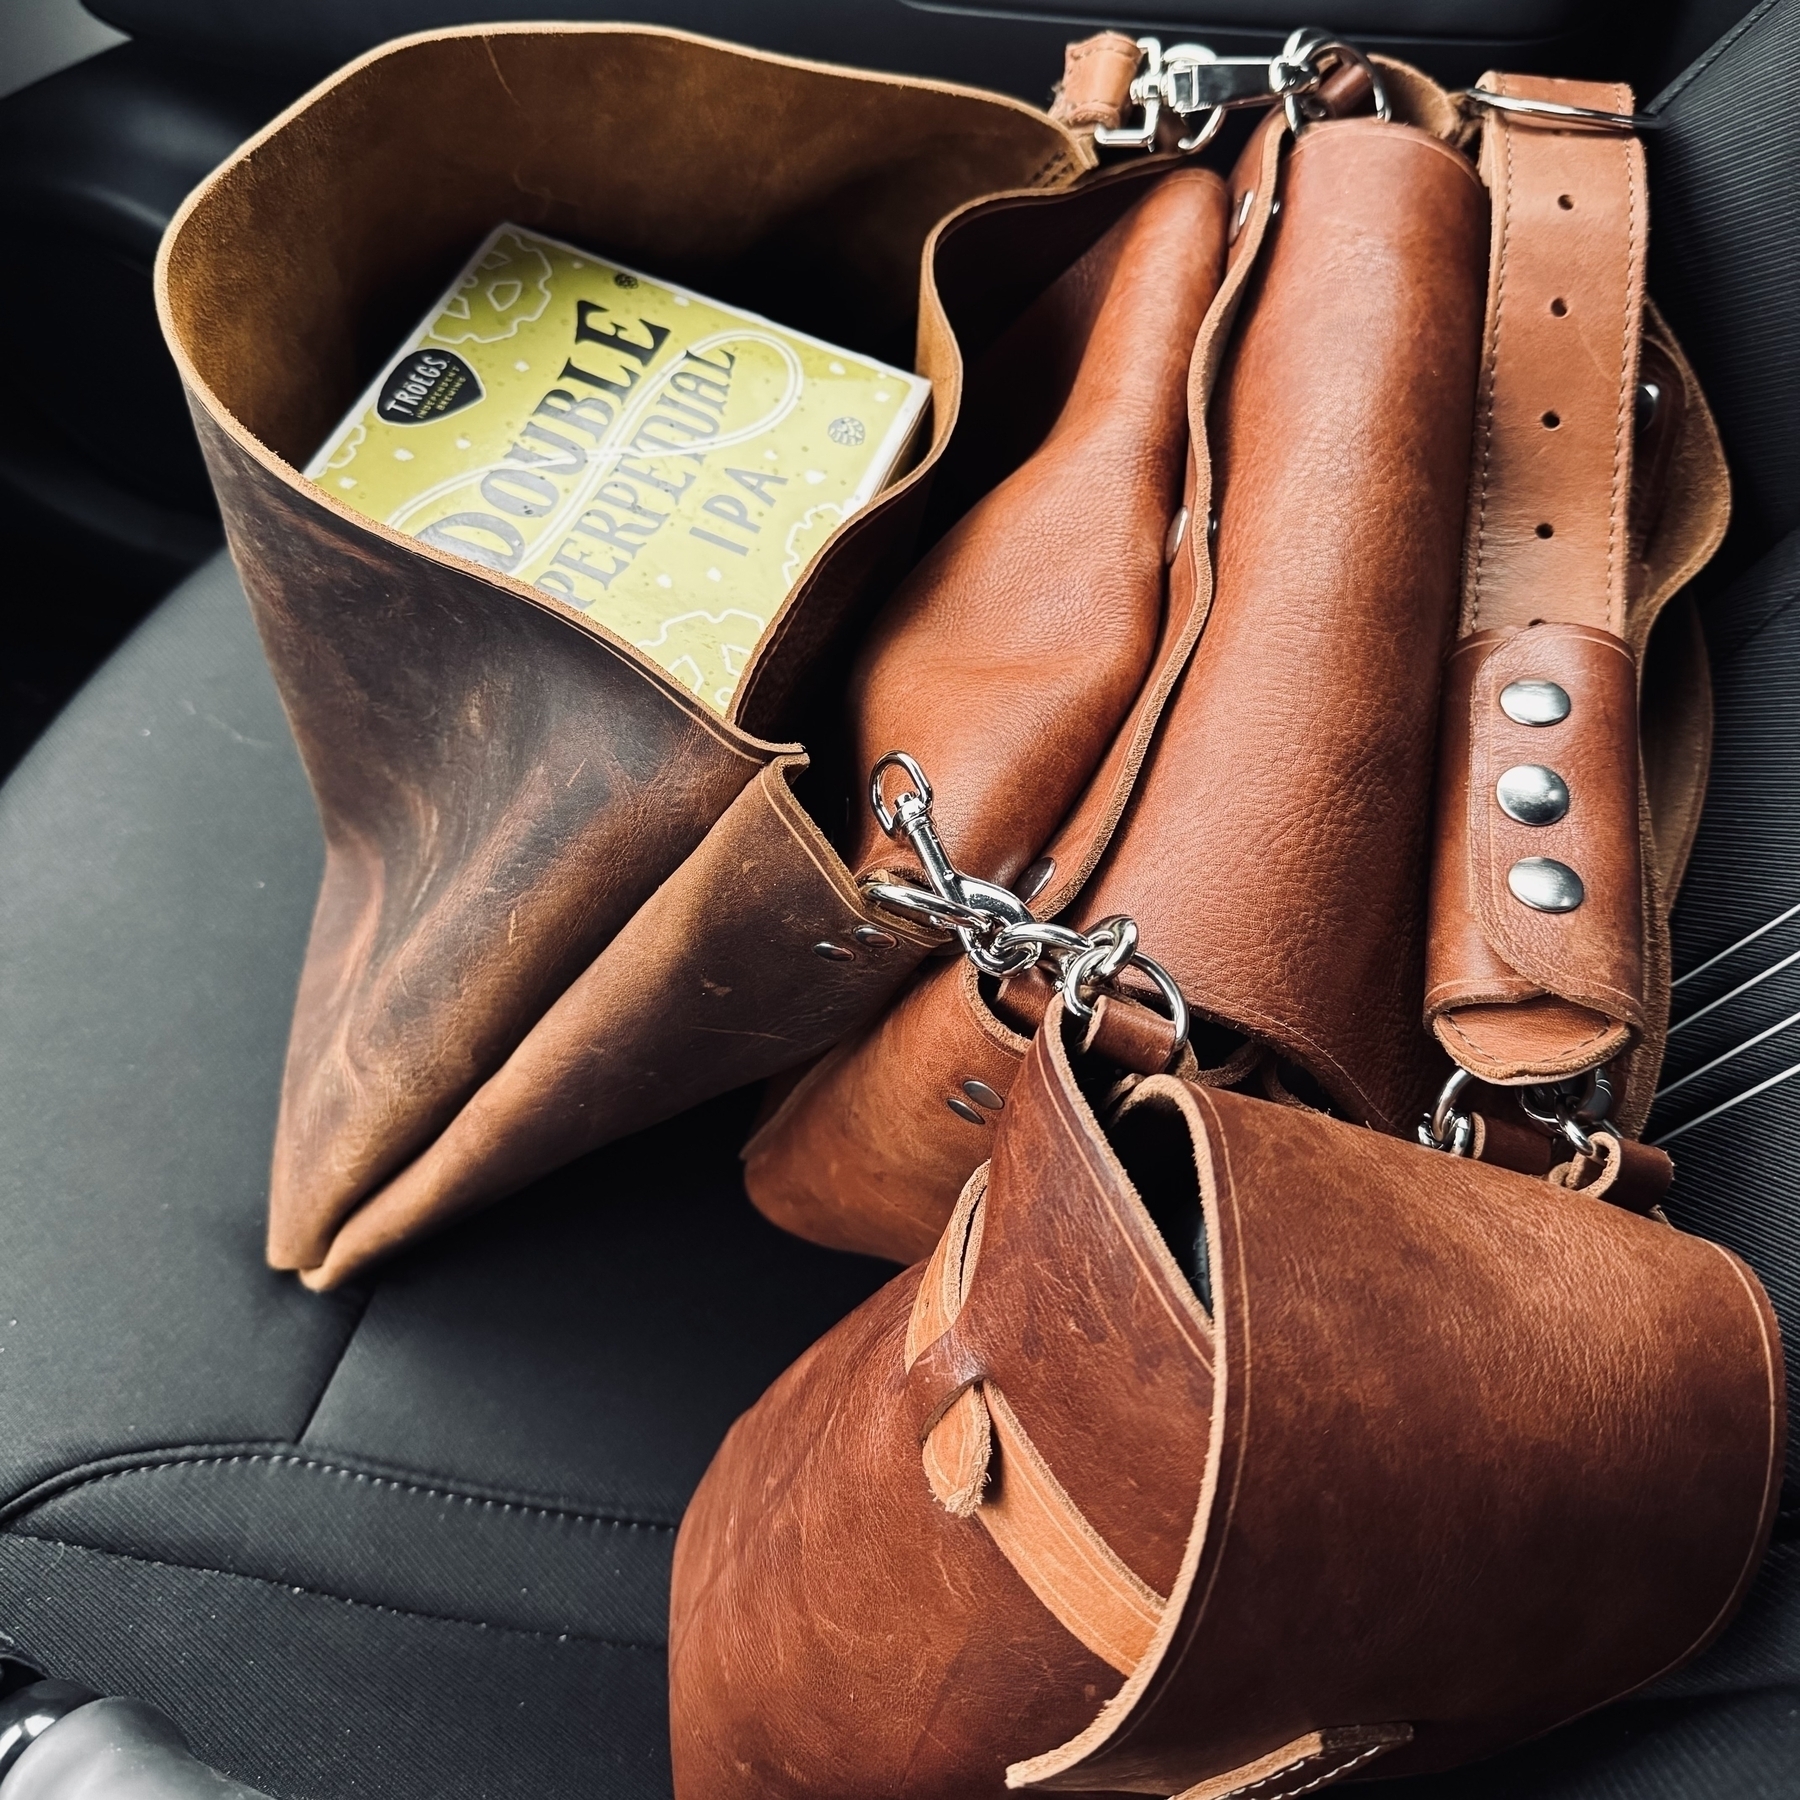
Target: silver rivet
x,y
1649,403
983,1095
1545,885
1037,878
874,937
834,952
963,1110
1177,531
1532,794
1534,702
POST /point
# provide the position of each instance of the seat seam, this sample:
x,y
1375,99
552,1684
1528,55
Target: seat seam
x,y
337,1363
1714,53
41,1493
398,1612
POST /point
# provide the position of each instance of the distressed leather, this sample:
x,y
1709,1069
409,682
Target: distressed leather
x,y
1275,850
1276,866
504,785
1069,1507
1507,953
1008,658
1097,74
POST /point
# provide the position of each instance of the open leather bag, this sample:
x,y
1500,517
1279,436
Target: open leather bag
x,y
1221,1449
564,897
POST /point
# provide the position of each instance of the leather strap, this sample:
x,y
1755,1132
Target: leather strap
x,y
1304,1766
980,1462
1517,992
1097,74
1551,486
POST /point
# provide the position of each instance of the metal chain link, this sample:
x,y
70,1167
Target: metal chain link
x,y
997,931
1572,1109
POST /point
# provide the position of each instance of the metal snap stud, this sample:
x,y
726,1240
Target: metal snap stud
x,y
874,937
1545,885
834,952
1177,531
983,1095
1534,702
1532,794
963,1110
1648,404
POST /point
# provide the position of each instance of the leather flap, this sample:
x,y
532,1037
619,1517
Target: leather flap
x,y
1592,955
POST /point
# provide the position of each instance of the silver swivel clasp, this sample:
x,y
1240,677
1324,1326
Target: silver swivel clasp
x,y
1189,80
997,931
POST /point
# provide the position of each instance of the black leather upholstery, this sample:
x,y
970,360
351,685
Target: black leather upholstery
x,y
407,1540
1013,45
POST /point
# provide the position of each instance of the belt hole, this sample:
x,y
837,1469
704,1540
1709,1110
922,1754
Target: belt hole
x,y
1566,202
1551,421
1545,531
1560,307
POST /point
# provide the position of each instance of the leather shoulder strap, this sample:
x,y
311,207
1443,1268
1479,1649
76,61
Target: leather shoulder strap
x,y
1551,482
1537,959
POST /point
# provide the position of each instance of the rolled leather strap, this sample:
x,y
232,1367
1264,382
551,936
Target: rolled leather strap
x,y
1537,945
1515,991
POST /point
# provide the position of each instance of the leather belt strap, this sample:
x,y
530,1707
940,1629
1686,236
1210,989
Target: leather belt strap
x,y
1536,960
1551,484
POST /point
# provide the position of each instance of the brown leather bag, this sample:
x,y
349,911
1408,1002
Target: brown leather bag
x,y
1222,1450
563,898
1354,427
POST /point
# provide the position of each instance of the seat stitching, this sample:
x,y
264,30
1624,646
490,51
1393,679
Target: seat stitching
x,y
1707,58
27,1504
398,1612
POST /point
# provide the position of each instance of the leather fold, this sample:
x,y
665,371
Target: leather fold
x,y
1263,811
1515,992
1175,1506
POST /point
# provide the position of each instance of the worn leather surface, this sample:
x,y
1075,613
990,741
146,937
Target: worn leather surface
x,y
866,1152
1503,953
1345,1499
1274,853
1097,73
503,783
1571,221
1008,659
1265,802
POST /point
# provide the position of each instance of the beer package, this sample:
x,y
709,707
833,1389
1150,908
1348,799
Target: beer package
x,y
662,462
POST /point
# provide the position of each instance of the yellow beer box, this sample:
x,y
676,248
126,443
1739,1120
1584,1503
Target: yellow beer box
x,y
664,463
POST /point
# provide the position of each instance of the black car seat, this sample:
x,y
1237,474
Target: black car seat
x,y
412,1539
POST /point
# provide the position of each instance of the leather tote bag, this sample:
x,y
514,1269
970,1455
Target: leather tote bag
x,y
1221,1448
563,897
1435,425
